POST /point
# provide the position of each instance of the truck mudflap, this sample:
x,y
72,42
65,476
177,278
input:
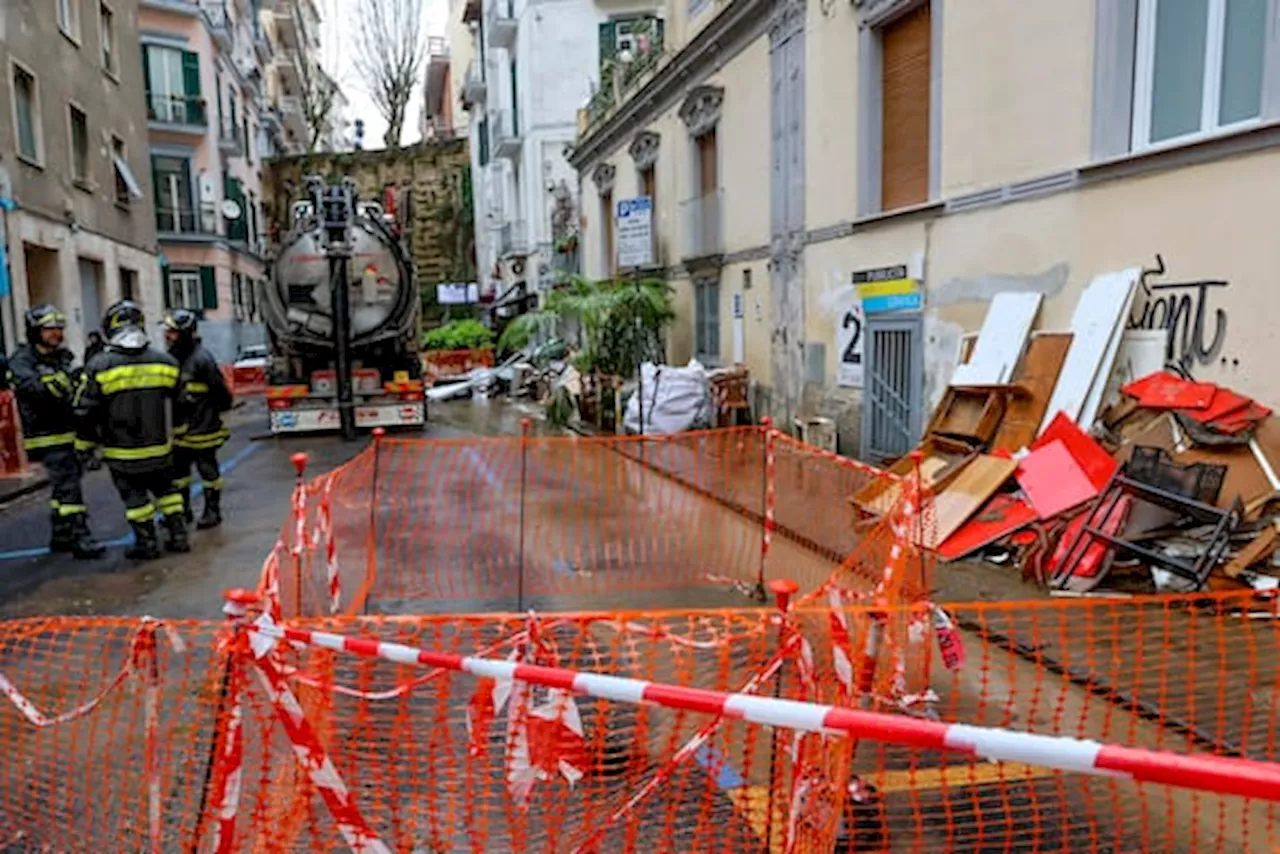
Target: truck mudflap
x,y
368,415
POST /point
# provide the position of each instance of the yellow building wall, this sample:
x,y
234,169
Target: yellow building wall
x,y
1017,90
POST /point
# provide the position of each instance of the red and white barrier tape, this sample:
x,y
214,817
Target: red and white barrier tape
x,y
314,759
770,492
1224,775
844,462
330,546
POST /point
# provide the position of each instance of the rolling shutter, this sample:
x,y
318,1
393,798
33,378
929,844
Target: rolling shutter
x,y
904,164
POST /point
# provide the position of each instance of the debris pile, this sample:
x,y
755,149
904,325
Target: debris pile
x,y
1079,458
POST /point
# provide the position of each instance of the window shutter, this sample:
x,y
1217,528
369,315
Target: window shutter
x,y
904,165
164,286
608,40
656,47
209,288
191,74
146,67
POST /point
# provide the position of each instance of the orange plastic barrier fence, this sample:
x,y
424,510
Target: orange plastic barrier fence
x,y
572,523
437,761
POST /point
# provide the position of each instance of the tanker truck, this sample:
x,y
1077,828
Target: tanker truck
x,y
382,310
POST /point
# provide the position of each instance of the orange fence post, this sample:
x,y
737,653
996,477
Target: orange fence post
x,y
525,425
768,499
371,558
299,461
783,589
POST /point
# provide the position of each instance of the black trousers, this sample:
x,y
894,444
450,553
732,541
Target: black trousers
x,y
145,492
63,466
206,466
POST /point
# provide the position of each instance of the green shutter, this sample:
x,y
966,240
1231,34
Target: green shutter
x,y
191,87
209,287
608,40
484,142
217,85
191,74
657,43
146,67
164,285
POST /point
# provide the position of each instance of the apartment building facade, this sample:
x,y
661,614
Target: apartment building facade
x,y
846,186
76,222
533,67
212,123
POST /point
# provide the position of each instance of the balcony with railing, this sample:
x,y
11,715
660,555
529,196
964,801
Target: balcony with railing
x,y
700,226
177,112
505,125
513,240
501,23
220,25
474,89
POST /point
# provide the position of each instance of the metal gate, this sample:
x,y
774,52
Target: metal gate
x,y
892,401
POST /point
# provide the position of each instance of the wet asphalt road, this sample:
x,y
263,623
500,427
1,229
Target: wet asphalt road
x,y
259,479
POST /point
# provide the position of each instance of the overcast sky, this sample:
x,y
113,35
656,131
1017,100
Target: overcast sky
x,y
339,16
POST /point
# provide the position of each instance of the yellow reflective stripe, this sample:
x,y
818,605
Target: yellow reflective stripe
x,y
213,484
127,377
85,444
182,482
54,504
35,443
198,388
72,509
203,440
170,504
137,453
181,429
140,514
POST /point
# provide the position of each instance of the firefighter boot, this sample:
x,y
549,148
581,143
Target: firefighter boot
x,y
177,525
83,546
212,516
62,539
146,545
187,513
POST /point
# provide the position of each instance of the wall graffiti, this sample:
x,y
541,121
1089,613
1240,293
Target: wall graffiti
x,y
1197,329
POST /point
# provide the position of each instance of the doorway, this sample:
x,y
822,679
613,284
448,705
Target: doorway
x,y
90,294
892,406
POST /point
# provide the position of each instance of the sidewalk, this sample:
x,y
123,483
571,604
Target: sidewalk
x,y
18,485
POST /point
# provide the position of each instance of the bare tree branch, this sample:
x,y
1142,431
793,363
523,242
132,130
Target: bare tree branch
x,y
319,96
390,49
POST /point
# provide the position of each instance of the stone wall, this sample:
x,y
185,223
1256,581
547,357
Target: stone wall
x,y
435,210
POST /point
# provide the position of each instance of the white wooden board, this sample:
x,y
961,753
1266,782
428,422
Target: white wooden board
x,y
1001,341
1097,327
1141,353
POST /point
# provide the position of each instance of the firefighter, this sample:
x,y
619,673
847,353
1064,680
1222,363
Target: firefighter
x,y
123,401
43,378
198,432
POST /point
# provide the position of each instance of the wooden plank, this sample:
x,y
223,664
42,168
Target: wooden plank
x,y
1001,341
971,489
1038,374
1097,325
1257,550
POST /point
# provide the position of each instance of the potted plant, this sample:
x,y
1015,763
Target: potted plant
x,y
457,347
612,326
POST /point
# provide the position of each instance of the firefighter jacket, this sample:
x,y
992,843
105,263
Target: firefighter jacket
x,y
123,401
45,385
202,398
